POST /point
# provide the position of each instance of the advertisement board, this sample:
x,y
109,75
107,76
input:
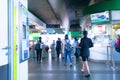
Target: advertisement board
x,y
100,17
23,33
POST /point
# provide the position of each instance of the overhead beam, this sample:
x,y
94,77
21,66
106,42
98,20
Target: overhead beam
x,y
102,6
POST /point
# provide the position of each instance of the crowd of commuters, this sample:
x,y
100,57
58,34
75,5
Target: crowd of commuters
x,y
79,49
64,47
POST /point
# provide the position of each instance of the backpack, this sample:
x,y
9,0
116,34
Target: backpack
x,y
77,52
37,46
68,47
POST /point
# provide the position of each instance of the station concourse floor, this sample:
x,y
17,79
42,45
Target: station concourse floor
x,y
51,69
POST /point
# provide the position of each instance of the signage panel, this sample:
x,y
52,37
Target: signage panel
x,y
100,17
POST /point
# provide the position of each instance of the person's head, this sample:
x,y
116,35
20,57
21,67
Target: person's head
x,y
59,39
85,33
40,38
66,36
53,41
75,39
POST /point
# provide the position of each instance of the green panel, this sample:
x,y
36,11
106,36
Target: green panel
x,y
102,6
68,32
35,38
76,34
34,35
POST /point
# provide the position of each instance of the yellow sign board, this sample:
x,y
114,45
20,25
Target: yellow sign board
x,y
116,26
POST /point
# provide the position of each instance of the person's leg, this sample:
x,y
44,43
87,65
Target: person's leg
x,y
70,58
87,67
37,55
65,57
57,53
83,64
40,55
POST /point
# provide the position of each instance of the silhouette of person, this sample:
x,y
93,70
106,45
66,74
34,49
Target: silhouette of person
x,y
85,44
58,47
66,52
38,48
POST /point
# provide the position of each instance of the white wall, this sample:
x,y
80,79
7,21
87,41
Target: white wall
x,y
23,69
4,33
3,40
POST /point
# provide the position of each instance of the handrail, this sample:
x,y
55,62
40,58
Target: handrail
x,y
112,57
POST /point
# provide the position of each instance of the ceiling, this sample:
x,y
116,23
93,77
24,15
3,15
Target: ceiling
x,y
63,12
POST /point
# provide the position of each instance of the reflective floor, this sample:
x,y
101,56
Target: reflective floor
x,y
51,69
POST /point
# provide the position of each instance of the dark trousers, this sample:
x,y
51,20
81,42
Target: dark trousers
x,y
39,55
58,52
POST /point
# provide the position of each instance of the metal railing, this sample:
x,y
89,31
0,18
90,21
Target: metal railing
x,y
112,59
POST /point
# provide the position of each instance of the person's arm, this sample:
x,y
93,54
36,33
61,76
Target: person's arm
x,y
63,45
77,46
81,43
91,43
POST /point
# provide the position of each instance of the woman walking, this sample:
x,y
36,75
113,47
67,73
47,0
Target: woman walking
x,y
85,44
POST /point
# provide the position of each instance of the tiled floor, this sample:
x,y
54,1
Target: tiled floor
x,y
51,69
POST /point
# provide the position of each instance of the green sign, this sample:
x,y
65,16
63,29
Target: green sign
x,y
76,34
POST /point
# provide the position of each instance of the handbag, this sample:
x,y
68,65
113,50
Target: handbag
x,y
77,52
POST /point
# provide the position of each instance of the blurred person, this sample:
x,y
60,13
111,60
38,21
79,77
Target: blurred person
x,y
117,44
53,50
67,50
33,52
47,49
118,40
58,47
44,53
85,44
76,48
38,48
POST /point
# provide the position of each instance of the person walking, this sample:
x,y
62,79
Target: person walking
x,y
117,44
85,44
53,50
38,48
58,47
67,48
76,51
